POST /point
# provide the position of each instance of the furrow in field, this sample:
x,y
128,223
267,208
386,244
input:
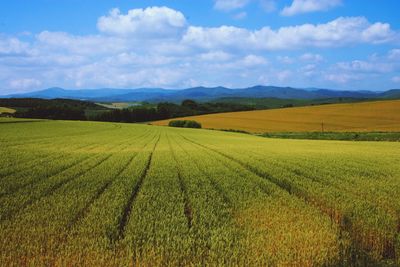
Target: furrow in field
x,y
81,214
83,211
266,213
19,166
135,191
262,187
187,206
55,214
9,143
210,179
51,190
15,187
12,205
18,184
96,230
360,249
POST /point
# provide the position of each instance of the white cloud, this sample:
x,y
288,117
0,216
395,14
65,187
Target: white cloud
x,y
394,54
149,22
253,60
396,79
240,15
311,57
341,78
306,6
25,83
284,76
268,5
215,56
369,70
285,59
364,66
227,5
12,46
83,45
339,32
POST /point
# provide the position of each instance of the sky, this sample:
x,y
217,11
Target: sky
x,y
74,44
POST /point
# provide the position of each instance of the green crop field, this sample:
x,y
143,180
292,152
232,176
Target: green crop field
x,y
104,194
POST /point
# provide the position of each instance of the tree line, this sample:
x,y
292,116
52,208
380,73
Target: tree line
x,y
166,110
66,109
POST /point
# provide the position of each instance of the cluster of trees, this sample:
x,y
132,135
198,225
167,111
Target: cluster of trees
x,y
66,109
55,109
168,110
184,124
53,113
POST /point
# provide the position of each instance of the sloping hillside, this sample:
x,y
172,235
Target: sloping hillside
x,y
362,117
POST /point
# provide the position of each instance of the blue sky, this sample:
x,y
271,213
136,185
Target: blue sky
x,y
340,44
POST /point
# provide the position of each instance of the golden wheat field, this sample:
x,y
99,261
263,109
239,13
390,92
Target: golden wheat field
x,y
355,117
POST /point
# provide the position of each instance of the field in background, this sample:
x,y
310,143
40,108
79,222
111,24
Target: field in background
x,y
354,117
120,105
6,110
104,194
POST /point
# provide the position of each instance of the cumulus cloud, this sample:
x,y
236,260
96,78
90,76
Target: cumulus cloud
x,y
339,32
11,46
306,6
375,66
148,22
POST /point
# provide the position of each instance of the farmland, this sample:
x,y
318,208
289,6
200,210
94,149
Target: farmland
x,y
352,117
105,194
6,110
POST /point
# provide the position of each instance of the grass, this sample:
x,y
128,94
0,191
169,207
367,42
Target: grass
x,y
7,110
354,117
105,194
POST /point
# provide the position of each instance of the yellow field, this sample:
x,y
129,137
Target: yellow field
x,y
6,110
354,117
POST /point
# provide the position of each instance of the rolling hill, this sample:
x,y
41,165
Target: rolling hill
x,y
351,117
200,94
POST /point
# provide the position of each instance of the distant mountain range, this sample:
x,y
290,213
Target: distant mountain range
x,y
201,94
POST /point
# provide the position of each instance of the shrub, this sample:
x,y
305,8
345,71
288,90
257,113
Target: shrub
x,y
184,124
